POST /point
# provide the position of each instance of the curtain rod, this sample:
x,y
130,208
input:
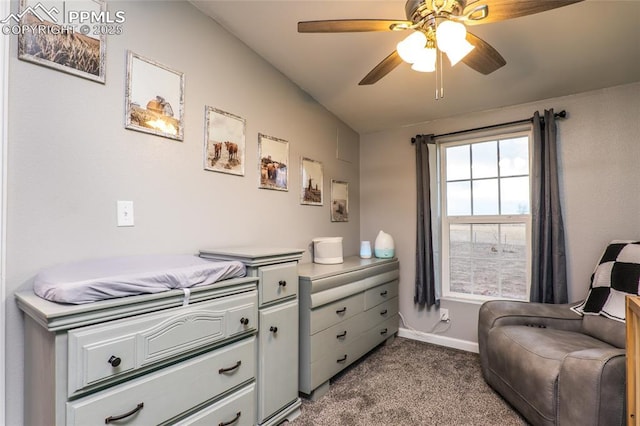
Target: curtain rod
x,y
561,114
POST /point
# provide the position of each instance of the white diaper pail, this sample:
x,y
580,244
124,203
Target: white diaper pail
x,y
327,250
384,247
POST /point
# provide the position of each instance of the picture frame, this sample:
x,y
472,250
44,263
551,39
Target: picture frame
x,y
311,182
224,142
154,98
273,161
72,48
339,201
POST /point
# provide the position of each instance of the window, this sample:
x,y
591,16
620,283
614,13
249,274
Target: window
x,y
485,217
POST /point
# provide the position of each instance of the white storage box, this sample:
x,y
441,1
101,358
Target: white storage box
x,y
327,250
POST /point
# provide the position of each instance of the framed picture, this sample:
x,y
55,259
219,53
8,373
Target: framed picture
x,y
65,46
273,154
339,201
224,142
311,180
154,98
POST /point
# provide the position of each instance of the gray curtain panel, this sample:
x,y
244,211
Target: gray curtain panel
x,y
425,292
548,267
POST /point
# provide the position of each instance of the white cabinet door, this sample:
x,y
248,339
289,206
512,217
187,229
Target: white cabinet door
x,y
278,358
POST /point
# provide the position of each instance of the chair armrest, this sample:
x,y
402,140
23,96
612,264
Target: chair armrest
x,y
591,388
505,312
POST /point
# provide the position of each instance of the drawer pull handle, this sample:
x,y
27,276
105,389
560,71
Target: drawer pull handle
x,y
125,415
282,283
341,311
244,321
384,293
383,332
343,359
383,312
114,361
226,370
232,421
341,335
273,329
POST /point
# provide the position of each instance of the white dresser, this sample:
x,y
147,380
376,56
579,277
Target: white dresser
x,y
143,360
345,311
277,375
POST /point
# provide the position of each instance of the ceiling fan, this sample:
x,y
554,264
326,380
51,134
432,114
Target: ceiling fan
x,y
439,26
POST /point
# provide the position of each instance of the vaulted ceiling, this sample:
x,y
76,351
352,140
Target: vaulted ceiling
x,y
585,46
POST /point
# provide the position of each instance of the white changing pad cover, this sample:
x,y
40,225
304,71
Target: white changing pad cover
x,y
99,279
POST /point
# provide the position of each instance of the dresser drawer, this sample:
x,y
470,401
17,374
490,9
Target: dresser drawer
x,y
103,352
333,313
336,337
166,393
330,365
237,410
378,333
382,312
375,296
278,281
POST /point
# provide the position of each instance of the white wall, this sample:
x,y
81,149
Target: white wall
x,y
600,188
70,160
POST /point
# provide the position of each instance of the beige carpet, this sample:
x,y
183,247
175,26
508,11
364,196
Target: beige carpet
x,y
410,383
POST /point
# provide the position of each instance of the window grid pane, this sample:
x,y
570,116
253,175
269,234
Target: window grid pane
x,y
488,259
476,165
484,160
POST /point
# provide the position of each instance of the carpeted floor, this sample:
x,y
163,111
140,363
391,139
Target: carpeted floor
x,y
410,383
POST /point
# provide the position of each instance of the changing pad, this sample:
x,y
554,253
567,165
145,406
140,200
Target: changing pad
x,y
100,279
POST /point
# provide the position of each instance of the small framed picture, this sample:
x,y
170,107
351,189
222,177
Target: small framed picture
x,y
339,201
311,180
154,98
48,39
224,142
273,154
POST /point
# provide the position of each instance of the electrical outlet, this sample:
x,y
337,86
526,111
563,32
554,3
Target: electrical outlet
x,y
444,314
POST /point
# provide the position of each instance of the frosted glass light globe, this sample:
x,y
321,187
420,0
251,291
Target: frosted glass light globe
x,y
426,61
450,34
410,47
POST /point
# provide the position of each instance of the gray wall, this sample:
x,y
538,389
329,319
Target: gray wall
x,y
600,185
70,159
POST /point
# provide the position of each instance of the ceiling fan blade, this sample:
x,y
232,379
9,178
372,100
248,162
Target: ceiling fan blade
x,y
500,10
484,58
351,25
387,65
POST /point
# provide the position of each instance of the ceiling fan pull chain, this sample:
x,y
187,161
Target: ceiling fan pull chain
x,y
439,77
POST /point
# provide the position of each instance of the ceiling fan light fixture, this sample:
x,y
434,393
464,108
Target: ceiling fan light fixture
x,y
450,34
459,51
426,61
410,48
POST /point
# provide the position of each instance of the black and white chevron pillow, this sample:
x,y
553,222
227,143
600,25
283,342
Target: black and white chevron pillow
x,y
616,276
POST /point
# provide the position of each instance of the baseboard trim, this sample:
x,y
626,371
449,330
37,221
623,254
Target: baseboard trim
x,y
448,342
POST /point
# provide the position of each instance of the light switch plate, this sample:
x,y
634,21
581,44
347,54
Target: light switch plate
x,y
125,213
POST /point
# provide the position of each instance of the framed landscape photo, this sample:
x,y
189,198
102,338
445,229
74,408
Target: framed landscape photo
x,y
224,142
154,99
339,201
53,42
311,180
273,155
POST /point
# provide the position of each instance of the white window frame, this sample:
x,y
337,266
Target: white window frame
x,y
5,10
446,221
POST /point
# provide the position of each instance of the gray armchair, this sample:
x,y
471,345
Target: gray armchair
x,y
553,365
560,364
